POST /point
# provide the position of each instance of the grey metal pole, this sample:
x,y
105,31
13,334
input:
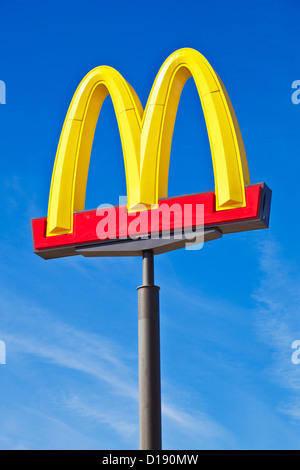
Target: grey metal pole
x,y
149,358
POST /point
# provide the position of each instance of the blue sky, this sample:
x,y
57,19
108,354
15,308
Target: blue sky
x,y
229,313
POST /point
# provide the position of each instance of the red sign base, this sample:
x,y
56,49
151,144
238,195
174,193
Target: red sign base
x,y
117,240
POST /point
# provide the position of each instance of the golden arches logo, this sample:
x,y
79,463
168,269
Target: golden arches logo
x,y
146,138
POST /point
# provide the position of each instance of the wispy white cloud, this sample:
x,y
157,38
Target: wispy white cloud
x,y
25,428
68,347
278,318
103,360
112,418
199,422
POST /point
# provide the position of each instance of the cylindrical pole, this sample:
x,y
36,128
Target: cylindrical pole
x,y
149,358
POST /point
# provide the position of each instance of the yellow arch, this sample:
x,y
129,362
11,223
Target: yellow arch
x,y
68,186
228,152
146,137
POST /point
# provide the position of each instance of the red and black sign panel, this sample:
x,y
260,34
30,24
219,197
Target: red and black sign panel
x,y
91,237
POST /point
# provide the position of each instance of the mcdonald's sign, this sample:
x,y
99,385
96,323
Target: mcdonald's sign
x,y
235,205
